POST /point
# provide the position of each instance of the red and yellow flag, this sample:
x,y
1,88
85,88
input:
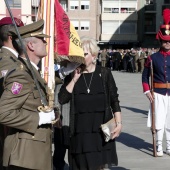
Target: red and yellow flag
x,y
64,43
67,45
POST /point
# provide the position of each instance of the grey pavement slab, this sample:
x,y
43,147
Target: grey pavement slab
x,y
134,145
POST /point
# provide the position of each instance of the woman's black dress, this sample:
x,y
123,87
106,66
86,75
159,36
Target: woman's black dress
x,y
88,149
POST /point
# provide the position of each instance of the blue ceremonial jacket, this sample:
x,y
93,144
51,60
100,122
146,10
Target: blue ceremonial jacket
x,y
161,71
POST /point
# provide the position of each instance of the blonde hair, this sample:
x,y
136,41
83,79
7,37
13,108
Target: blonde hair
x,y
90,44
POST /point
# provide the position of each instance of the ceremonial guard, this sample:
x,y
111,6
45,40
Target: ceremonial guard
x,y
161,85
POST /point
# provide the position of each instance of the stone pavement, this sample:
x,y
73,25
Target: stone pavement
x,y
134,145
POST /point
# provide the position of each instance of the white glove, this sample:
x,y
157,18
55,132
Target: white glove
x,y
46,118
64,71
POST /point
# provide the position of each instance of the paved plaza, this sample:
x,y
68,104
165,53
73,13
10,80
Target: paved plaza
x,y
134,145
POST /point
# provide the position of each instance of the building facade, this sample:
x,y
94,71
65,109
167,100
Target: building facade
x,y
85,16
113,23
23,9
150,19
119,23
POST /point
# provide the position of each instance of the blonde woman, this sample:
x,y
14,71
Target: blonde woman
x,y
93,98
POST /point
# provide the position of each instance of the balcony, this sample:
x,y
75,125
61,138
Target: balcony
x,y
119,16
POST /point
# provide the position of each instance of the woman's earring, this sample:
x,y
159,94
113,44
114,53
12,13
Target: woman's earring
x,y
94,61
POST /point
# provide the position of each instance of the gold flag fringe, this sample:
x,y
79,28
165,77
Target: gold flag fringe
x,y
77,59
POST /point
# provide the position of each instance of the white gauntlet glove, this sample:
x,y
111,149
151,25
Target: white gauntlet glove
x,y
46,118
64,71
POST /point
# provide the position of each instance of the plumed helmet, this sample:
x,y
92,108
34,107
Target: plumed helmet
x,y
164,31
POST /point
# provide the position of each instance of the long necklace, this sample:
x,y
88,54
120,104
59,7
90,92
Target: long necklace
x,y
88,87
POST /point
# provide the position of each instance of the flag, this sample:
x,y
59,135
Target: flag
x,y
64,43
67,45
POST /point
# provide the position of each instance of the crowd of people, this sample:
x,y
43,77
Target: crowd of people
x,y
128,60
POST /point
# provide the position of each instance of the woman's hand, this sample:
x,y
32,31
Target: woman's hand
x,y
116,132
77,74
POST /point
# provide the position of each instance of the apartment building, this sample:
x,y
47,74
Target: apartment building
x,y
119,23
85,16
23,9
113,23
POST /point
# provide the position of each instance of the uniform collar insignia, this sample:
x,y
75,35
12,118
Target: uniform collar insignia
x,y
4,72
21,66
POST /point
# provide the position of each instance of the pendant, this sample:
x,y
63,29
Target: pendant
x,y
88,90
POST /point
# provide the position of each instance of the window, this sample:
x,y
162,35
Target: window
x,y
35,3
64,5
34,13
110,27
128,7
149,2
75,24
14,3
111,10
124,10
107,10
85,5
85,25
115,10
74,5
128,10
128,27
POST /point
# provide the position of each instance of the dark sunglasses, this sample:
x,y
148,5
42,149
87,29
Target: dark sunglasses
x,y
86,54
41,38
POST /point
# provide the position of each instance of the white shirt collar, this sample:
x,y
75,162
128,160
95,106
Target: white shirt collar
x,y
10,49
36,67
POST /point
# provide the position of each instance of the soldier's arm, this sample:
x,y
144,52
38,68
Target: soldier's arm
x,y
146,75
16,91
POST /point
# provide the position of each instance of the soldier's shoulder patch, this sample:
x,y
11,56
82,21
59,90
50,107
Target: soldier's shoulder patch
x,y
4,72
16,88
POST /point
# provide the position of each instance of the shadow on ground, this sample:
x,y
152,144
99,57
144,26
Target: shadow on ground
x,y
117,168
135,142
136,110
